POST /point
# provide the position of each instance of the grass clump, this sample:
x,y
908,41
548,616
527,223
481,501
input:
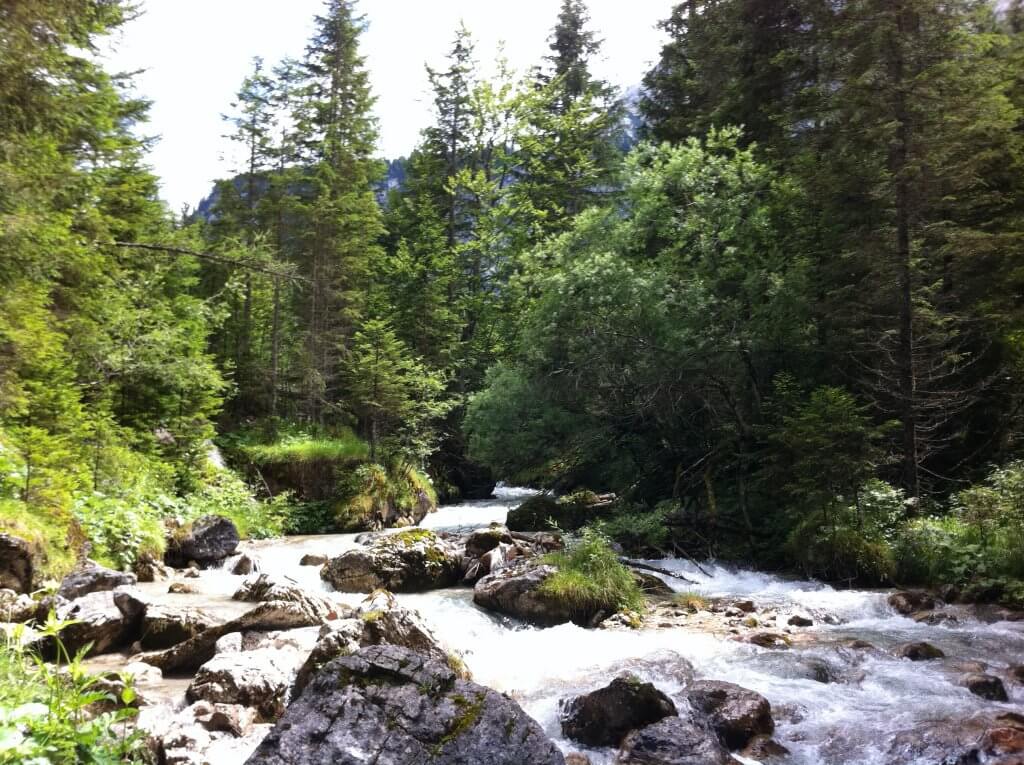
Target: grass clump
x,y
590,578
373,493
298,448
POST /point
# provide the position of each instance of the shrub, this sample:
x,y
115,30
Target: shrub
x,y
641,531
47,712
121,531
590,578
841,551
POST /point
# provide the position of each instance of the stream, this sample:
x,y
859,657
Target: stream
x,y
876,709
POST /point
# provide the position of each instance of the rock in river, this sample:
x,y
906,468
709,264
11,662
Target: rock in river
x,y
986,686
415,560
515,590
605,716
735,713
674,741
209,540
89,576
388,704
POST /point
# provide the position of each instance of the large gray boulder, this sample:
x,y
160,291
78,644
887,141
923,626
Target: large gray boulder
x,y
415,560
674,741
164,626
515,590
379,621
207,541
392,706
907,602
102,621
263,588
16,607
16,568
259,679
735,713
605,716
89,576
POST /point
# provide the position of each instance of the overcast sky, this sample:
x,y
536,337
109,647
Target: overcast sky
x,y
194,54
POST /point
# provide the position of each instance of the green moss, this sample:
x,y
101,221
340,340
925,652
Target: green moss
x,y
410,537
468,714
53,536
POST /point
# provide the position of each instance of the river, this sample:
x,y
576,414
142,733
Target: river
x,y
876,709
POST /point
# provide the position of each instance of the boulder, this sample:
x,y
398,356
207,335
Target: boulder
x,y
16,607
907,602
605,716
388,704
481,541
415,560
380,621
651,584
207,541
89,576
986,686
735,713
259,679
766,640
148,569
313,559
241,565
1016,671
918,651
164,625
102,620
674,741
539,512
16,569
764,749
515,591
263,588
266,617
799,620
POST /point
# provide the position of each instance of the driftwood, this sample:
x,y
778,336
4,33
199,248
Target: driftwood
x,y
655,569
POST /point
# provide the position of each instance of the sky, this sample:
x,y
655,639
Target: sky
x,y
193,54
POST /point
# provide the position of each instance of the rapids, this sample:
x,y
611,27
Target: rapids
x,y
855,719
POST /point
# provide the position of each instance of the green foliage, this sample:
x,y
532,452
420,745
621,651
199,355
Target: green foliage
x,y
294,448
121,530
48,711
639,530
590,578
371,493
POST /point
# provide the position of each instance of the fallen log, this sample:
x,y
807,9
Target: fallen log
x,y
656,569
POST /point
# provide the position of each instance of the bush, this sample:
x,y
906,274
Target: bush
x,y
47,712
121,531
52,535
640,531
590,578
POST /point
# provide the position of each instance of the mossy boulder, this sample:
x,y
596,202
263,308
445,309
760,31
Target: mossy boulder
x,y
414,560
540,512
389,704
16,569
207,541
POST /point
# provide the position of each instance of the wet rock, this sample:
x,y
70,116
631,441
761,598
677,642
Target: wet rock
x,y
766,640
1005,738
799,620
764,749
674,741
242,565
918,651
576,758
515,591
409,561
735,713
491,561
275,615
103,619
263,588
148,569
934,617
986,686
388,704
313,559
746,606
605,716
907,602
15,607
90,576
380,621
861,645
651,584
192,572
209,540
484,540
164,626
259,679
182,588
1016,671
16,569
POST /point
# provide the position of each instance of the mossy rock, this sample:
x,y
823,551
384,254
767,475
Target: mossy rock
x,y
542,512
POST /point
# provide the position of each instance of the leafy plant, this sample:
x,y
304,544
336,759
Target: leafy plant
x,y
590,578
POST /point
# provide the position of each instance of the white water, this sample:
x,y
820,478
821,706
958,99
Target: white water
x,y
851,721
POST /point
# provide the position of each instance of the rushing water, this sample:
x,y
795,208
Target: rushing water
x,y
873,699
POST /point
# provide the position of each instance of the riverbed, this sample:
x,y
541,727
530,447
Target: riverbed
x,y
832,703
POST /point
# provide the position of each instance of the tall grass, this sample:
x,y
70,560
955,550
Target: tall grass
x,y
590,578
302,448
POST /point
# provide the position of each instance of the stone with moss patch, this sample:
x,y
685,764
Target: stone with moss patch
x,y
414,560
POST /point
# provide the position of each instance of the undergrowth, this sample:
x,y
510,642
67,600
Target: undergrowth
x,y
590,578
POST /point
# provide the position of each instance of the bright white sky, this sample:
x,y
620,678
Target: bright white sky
x,y
194,54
